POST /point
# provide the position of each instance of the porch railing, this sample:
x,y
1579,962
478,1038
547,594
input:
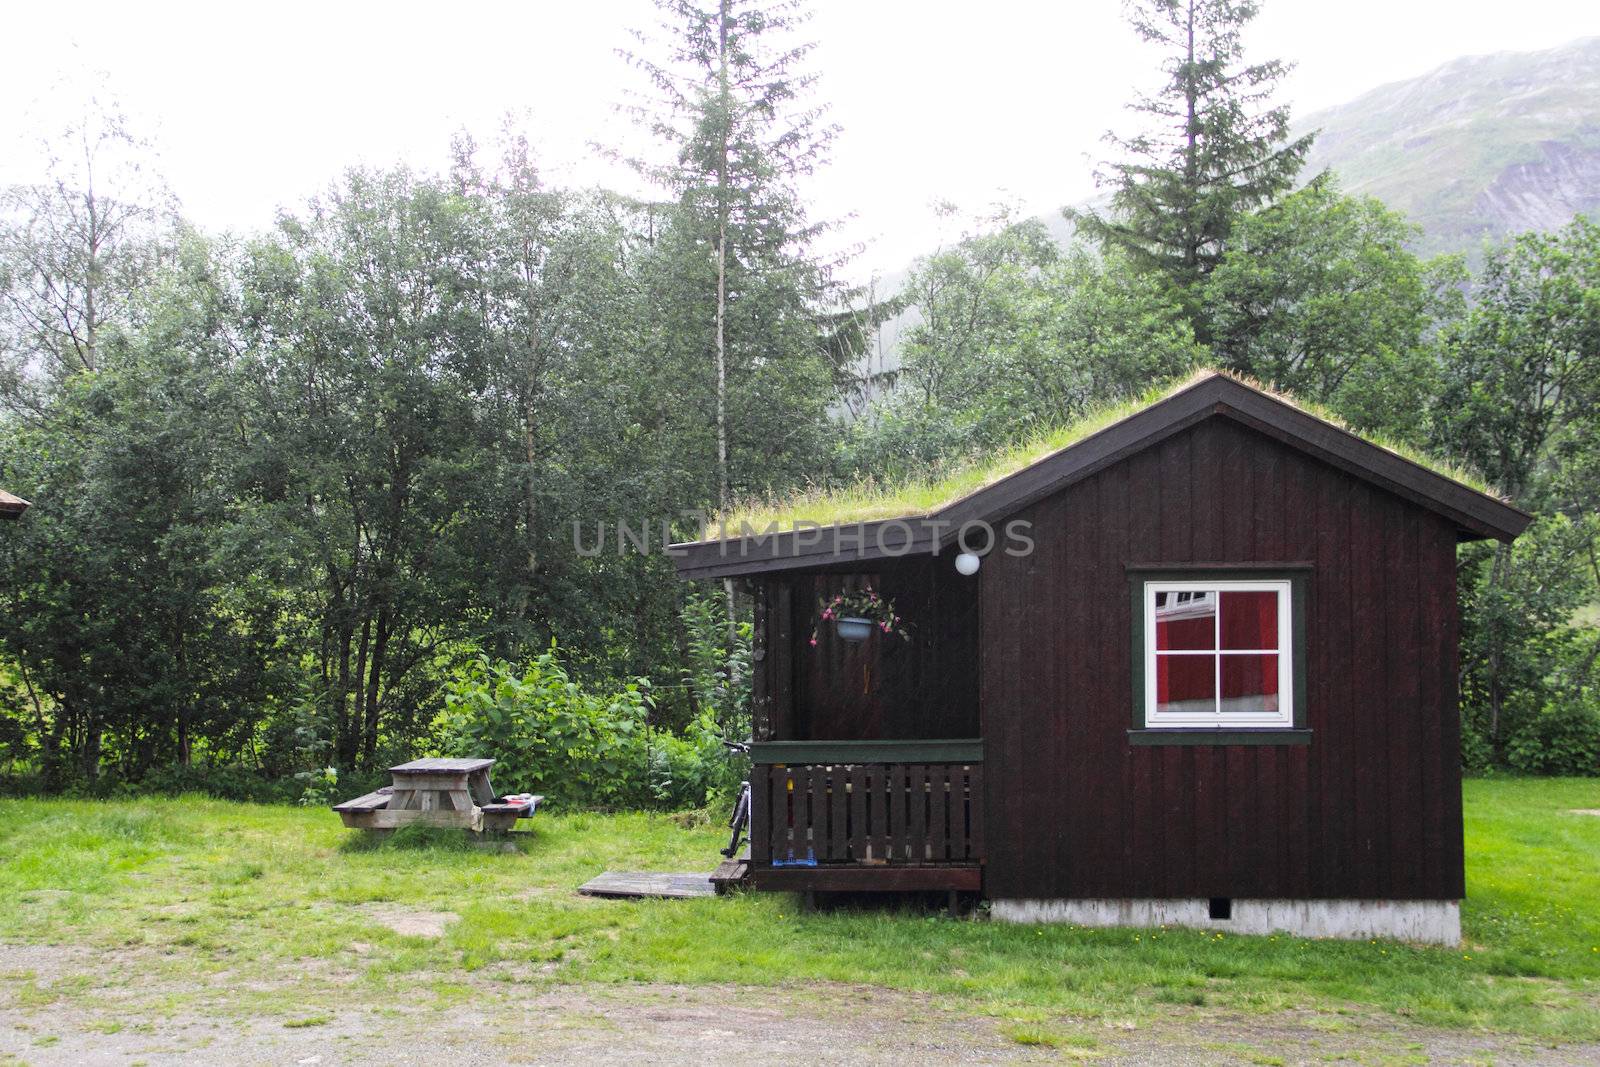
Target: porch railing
x,y
890,803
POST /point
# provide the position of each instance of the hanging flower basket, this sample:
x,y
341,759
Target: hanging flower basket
x,y
857,615
853,627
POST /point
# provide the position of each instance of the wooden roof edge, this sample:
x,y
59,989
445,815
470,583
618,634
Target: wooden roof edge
x,y
11,505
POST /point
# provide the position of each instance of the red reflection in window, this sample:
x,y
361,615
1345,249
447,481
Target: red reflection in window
x,y
1186,684
1187,620
1250,620
1250,683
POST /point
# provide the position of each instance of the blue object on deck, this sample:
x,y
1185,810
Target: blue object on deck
x,y
809,861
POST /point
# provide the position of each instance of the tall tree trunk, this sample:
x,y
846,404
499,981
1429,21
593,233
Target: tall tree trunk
x,y
89,753
380,647
724,485
91,274
49,735
358,714
346,749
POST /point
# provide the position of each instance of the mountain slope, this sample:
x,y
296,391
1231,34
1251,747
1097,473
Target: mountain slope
x,y
1480,147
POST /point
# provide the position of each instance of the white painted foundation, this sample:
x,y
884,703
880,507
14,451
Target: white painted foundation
x,y
1436,922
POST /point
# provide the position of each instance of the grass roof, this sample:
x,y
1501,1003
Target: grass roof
x,y
867,500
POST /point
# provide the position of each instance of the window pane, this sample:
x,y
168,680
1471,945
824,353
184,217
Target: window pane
x,y
1250,620
1186,621
1186,685
1250,684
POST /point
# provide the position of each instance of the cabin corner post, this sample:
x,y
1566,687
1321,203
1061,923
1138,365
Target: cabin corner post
x,y
780,656
760,663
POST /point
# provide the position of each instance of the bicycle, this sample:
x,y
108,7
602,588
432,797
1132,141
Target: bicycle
x,y
740,822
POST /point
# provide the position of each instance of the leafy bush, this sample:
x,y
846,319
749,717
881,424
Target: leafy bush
x,y
1477,754
717,677
224,781
1564,738
550,735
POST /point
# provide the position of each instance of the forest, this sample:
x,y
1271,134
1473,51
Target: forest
x,y
305,499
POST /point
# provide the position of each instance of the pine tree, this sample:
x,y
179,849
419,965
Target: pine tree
x,y
1215,148
729,101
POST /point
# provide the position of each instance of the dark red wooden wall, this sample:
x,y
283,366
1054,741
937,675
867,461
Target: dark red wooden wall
x,y
1371,808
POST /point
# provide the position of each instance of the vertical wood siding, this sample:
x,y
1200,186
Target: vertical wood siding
x,y
1371,808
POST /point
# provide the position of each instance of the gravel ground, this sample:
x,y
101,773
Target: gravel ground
x,y
494,1022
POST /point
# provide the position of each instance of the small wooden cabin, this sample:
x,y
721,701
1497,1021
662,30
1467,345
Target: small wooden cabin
x,y
1204,675
12,507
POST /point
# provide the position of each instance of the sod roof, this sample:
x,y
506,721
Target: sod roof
x,y
982,488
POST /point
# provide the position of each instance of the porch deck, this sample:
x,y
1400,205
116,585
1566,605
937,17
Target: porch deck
x,y
866,815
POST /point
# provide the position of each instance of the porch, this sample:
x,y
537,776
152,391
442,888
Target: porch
x,y
866,815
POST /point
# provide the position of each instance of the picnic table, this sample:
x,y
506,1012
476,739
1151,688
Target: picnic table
x,y
438,792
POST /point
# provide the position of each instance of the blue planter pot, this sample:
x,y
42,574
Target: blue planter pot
x,y
853,628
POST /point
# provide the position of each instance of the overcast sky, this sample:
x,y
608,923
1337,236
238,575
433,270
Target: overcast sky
x,y
257,105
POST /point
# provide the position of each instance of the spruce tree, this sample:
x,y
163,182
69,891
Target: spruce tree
x,y
729,100
1215,148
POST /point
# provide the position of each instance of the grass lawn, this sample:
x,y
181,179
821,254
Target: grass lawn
x,y
240,894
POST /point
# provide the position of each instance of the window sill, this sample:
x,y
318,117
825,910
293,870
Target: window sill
x,y
1211,736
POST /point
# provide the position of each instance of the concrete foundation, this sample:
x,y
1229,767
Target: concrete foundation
x,y
1435,922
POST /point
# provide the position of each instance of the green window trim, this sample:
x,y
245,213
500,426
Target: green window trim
x,y
1298,732
1207,736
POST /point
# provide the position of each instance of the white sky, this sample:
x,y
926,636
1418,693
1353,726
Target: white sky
x,y
257,105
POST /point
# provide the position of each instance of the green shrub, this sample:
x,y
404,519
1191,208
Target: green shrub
x,y
224,781
1563,738
1477,753
550,735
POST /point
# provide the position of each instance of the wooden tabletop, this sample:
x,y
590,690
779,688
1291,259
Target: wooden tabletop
x,y
443,765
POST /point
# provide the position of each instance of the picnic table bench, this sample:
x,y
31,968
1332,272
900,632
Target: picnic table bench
x,y
438,792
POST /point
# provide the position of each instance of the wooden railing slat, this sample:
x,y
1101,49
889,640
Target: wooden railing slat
x,y
917,775
938,812
783,814
859,833
895,792
838,814
760,814
975,811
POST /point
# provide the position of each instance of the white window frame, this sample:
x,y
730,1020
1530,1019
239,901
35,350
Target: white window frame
x,y
1283,718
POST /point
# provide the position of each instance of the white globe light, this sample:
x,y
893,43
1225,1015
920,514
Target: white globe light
x,y
967,563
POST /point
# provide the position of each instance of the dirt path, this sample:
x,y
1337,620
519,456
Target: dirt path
x,y
57,1007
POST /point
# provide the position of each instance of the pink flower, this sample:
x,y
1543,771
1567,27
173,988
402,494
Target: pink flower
x,y
813,642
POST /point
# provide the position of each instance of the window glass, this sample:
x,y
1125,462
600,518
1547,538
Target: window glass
x,y
1217,653
1186,620
1186,685
1250,619
1249,684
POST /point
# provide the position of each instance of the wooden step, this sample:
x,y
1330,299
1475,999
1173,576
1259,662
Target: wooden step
x,y
647,884
730,873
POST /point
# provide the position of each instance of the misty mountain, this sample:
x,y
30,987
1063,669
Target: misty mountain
x,y
1478,148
